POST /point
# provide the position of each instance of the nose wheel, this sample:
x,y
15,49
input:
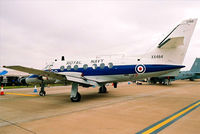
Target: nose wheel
x,y
42,93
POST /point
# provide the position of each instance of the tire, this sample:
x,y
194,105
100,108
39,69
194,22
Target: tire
x,y
100,90
77,98
42,93
103,89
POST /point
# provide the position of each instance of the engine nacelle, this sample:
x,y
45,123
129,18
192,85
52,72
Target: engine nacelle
x,y
33,81
39,79
22,81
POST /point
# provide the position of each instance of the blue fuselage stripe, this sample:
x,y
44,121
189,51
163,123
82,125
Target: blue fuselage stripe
x,y
122,69
118,70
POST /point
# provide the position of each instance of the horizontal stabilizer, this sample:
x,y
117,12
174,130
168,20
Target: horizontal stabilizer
x,y
174,73
171,42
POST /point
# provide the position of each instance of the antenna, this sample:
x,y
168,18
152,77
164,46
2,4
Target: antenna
x,y
62,58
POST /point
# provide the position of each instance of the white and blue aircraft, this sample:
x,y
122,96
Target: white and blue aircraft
x,y
164,60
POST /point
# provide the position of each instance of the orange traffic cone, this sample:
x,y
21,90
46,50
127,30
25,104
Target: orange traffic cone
x,y
2,92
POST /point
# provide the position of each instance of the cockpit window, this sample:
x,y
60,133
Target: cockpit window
x,y
85,66
69,67
94,66
75,67
62,68
110,65
102,65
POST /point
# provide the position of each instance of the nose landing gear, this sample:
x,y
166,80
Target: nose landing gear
x,y
42,91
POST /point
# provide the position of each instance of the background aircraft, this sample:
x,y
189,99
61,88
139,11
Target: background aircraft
x,y
192,74
11,77
3,72
164,60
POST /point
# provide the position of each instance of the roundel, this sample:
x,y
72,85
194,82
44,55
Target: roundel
x,y
140,69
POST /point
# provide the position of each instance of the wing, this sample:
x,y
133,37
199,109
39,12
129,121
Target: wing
x,y
36,71
71,77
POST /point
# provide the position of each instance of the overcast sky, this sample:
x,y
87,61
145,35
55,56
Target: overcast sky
x,y
32,32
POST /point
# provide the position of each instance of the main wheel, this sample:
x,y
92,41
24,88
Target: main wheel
x,y
166,82
103,89
77,98
42,93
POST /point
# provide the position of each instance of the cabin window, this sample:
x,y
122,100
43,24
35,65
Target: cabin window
x,y
94,66
69,67
110,65
75,67
102,65
85,66
62,68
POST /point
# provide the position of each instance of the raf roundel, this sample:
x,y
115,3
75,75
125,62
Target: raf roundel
x,y
139,69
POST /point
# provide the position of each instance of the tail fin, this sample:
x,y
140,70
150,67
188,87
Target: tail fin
x,y
173,47
196,65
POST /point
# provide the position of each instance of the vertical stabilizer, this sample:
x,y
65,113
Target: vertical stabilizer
x,y
173,47
196,65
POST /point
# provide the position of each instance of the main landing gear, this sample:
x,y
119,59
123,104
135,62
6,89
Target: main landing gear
x,y
75,95
166,82
42,91
103,89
